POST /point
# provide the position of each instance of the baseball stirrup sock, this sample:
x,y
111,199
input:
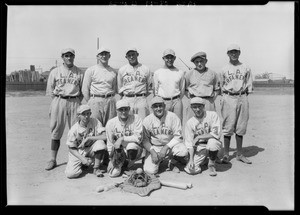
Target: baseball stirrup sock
x,y
212,155
55,145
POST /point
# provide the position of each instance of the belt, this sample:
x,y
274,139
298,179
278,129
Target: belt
x,y
66,97
175,97
234,94
198,143
134,95
102,96
203,97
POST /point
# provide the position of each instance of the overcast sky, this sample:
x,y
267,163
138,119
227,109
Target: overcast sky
x,y
36,34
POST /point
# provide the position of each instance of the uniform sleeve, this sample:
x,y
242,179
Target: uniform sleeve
x,y
188,135
215,126
115,82
99,128
119,80
109,133
249,80
177,132
86,84
187,80
146,133
138,131
71,137
51,83
216,82
149,81
221,79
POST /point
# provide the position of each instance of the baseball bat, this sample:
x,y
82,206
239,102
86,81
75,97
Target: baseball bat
x,y
178,185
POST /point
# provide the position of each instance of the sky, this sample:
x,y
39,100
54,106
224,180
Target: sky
x,y
265,33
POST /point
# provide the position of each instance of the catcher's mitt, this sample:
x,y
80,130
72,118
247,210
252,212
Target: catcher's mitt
x,y
117,160
141,183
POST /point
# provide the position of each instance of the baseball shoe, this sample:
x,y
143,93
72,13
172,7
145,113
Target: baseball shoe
x,y
242,158
172,167
212,170
51,165
225,159
98,172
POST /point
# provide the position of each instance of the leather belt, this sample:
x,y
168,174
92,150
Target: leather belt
x,y
203,97
175,97
134,95
234,94
102,96
66,97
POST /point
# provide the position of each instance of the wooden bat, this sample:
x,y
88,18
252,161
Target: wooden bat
x,y
178,185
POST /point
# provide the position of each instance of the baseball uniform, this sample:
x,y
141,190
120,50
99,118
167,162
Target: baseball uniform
x,y
236,83
76,134
98,88
170,85
161,132
131,130
209,124
133,84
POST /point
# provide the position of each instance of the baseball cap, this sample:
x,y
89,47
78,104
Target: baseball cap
x,y
102,49
83,108
122,103
199,54
157,99
131,49
197,100
169,52
233,47
64,51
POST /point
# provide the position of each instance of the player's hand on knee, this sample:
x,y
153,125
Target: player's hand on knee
x,y
87,162
163,152
155,157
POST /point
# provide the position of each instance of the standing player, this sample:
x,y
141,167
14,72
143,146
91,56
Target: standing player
x,y
162,138
64,87
201,82
85,141
99,87
134,80
236,84
169,84
124,132
202,137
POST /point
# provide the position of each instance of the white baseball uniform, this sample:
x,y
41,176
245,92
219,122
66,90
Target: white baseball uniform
x,y
98,88
202,84
170,85
75,136
134,83
161,132
236,83
64,85
209,124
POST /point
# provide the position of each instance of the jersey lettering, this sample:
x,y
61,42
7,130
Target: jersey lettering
x,y
162,129
128,78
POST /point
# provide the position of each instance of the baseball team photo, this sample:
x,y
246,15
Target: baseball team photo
x,y
187,105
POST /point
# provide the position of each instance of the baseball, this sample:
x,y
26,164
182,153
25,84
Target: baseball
x,y
100,189
139,171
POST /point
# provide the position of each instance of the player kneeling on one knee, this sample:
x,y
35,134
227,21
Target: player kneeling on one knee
x,y
86,144
202,137
162,138
124,136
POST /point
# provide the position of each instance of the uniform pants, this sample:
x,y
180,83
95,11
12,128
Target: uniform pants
x,y
150,167
138,105
175,106
235,114
103,109
62,111
73,169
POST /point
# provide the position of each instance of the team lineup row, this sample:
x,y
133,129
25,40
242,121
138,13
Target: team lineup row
x,y
96,89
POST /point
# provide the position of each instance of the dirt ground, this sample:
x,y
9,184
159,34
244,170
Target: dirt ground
x,y
268,181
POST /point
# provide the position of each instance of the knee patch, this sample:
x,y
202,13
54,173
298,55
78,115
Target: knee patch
x,y
132,153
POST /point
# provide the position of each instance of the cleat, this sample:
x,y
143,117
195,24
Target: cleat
x,y
51,165
243,159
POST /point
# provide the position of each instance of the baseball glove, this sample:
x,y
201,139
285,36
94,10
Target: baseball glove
x,y
141,183
117,160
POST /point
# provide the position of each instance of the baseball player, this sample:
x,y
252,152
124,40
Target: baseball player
x,y
100,86
169,83
134,83
236,84
64,86
124,132
201,82
163,138
202,137
86,142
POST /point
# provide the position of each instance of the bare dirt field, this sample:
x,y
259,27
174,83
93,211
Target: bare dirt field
x,y
268,181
